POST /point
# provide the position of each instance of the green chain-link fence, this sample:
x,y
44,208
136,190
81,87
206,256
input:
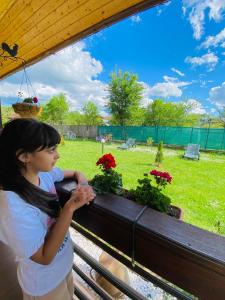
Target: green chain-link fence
x,y
207,138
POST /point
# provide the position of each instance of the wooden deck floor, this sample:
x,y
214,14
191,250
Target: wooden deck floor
x,y
9,287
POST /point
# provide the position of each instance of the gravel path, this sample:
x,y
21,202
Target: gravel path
x,y
144,287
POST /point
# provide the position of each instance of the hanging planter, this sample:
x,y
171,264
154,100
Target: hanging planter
x,y
29,107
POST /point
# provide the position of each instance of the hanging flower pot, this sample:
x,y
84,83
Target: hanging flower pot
x,y
29,108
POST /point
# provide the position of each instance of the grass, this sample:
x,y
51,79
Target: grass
x,y
198,187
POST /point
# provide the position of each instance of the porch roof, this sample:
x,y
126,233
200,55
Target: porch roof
x,y
40,28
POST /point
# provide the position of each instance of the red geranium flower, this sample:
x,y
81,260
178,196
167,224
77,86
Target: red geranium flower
x,y
107,161
161,178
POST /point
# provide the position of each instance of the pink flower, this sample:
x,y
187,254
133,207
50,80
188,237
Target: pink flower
x,y
155,173
35,99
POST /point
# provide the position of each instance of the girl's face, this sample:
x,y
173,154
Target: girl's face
x,y
44,160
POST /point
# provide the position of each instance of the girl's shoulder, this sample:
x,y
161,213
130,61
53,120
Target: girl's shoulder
x,y
56,174
12,203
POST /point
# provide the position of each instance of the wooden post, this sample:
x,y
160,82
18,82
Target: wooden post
x,y
1,114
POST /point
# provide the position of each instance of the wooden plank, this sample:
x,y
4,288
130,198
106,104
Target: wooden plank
x,y
202,276
5,6
44,14
74,32
21,19
13,13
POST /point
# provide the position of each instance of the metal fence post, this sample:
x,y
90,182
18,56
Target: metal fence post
x,y
222,144
164,137
157,134
207,134
191,134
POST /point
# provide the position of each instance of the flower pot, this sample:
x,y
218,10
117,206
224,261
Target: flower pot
x,y
173,211
27,110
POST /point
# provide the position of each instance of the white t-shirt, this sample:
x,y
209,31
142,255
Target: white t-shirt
x,y
23,227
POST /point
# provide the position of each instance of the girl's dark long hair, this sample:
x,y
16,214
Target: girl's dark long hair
x,y
21,136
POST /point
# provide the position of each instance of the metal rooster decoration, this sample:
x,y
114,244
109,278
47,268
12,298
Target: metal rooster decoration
x,y
8,53
12,51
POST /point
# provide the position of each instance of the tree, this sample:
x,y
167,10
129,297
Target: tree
x,y
55,110
125,94
137,116
159,154
7,112
73,118
160,113
192,120
91,114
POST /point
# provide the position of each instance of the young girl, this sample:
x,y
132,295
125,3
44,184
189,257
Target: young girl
x,y
31,221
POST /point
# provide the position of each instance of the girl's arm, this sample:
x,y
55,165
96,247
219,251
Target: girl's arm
x,y
78,176
46,253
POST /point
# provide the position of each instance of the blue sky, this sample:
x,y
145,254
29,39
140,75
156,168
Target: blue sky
x,y
176,49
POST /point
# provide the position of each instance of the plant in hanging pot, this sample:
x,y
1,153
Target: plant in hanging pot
x,y
28,108
109,181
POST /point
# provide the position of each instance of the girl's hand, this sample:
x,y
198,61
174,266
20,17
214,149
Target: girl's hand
x,y
82,195
80,177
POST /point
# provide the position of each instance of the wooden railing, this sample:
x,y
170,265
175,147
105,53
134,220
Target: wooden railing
x,y
184,255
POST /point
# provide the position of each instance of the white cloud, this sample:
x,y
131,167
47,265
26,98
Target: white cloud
x,y
8,89
217,94
136,19
165,89
169,79
209,59
197,10
223,53
196,106
45,91
203,83
177,71
145,100
214,41
171,87
71,71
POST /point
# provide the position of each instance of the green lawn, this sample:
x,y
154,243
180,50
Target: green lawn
x,y
198,187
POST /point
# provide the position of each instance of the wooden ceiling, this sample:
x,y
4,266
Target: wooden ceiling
x,y
42,27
